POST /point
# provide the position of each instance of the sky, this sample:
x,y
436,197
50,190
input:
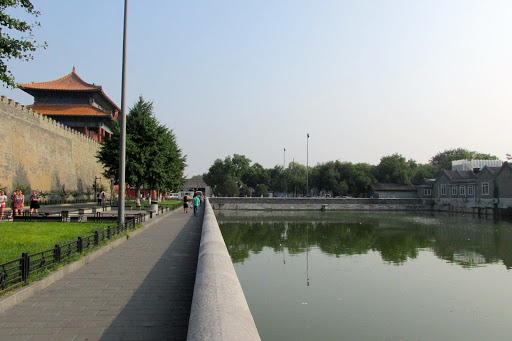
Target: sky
x,y
365,79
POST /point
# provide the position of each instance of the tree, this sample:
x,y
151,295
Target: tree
x,y
261,190
235,167
341,188
216,175
255,175
13,45
295,178
244,191
443,160
424,171
394,169
153,157
240,165
325,176
228,188
276,179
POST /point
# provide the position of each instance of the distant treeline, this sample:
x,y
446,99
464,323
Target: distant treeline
x,y
236,176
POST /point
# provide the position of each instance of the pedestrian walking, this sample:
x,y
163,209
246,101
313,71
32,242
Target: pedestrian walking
x,y
186,198
196,202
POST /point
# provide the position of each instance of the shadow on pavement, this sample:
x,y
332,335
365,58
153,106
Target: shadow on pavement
x,y
160,308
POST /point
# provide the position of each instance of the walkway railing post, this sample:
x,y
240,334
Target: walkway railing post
x,y
80,245
24,266
56,254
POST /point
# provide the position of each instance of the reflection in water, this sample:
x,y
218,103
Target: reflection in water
x,y
396,237
372,276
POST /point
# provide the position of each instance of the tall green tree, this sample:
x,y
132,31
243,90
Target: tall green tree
x,y
424,171
16,37
228,188
234,168
276,178
295,178
395,169
255,175
261,190
153,158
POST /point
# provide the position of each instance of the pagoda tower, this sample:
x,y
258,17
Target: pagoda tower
x,y
75,103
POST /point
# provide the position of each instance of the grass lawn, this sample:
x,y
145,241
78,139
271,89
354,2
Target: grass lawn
x,y
32,237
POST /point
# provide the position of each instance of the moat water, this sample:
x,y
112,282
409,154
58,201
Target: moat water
x,y
373,276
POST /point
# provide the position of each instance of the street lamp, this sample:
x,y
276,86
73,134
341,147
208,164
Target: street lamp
x,y
96,178
111,189
122,117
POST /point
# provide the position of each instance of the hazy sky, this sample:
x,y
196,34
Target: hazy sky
x,y
364,78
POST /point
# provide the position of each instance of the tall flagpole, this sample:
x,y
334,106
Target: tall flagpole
x,y
122,117
284,168
307,166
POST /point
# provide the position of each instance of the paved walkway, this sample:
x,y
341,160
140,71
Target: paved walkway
x,y
141,290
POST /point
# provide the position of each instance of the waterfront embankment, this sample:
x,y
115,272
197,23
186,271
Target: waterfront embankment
x,y
314,204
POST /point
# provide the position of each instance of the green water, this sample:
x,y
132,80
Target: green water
x,y
373,276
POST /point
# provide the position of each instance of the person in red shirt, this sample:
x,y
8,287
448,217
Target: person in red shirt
x,y
186,200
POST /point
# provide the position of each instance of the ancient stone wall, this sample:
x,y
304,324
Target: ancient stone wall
x,y
42,154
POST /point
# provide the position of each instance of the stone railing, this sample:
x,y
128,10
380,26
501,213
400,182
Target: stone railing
x,y
219,309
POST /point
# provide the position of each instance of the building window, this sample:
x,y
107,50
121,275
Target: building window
x,y
470,189
443,189
462,190
454,189
427,192
485,188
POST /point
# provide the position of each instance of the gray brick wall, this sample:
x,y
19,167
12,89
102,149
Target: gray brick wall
x,y
42,153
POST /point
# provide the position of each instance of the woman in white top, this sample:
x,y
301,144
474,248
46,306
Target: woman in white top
x,y
3,202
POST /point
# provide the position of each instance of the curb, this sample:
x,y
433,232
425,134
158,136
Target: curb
x,y
26,291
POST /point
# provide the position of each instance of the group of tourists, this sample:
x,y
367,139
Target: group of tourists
x,y
18,202
197,201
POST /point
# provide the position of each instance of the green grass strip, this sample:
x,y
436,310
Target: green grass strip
x,y
32,237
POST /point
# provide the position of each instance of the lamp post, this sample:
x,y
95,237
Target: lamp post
x,y
96,178
122,117
111,189
307,165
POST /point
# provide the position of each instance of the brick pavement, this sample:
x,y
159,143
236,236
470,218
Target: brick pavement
x,y
141,290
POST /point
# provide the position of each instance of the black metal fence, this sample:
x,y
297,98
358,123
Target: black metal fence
x,y
17,272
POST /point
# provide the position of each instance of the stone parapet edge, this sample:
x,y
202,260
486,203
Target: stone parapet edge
x,y
25,292
219,308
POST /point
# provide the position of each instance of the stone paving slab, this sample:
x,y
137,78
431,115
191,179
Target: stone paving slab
x,y
141,290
